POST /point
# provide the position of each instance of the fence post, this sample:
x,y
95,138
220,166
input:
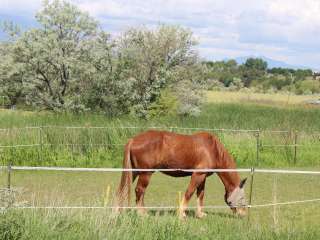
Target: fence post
x,y
295,147
9,175
258,146
274,193
9,164
106,197
41,144
250,192
179,202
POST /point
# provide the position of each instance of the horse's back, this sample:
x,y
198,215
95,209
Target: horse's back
x,y
162,149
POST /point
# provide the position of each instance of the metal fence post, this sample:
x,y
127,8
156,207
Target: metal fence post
x,y
295,147
250,192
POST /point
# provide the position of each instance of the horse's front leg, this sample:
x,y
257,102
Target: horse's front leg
x,y
196,180
143,182
200,196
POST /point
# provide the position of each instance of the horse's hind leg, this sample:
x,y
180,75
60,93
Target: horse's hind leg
x,y
143,181
200,196
196,180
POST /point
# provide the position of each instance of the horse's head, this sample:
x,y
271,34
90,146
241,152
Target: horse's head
x,y
236,199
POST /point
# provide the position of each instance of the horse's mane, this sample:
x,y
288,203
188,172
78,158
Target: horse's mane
x,y
223,156
225,161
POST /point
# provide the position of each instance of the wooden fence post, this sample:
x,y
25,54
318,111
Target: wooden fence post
x,y
274,200
9,175
107,195
295,147
41,144
179,202
258,147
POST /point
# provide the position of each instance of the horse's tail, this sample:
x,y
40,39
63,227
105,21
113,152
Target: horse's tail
x,y
124,190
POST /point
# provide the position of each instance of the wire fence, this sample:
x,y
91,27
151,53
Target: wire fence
x,y
254,147
246,145
252,172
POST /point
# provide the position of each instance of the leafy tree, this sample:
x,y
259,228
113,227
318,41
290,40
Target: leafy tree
x,y
156,59
68,63
253,69
302,74
224,71
111,85
54,56
166,104
12,76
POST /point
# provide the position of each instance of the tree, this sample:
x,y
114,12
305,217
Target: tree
x,y
224,71
253,69
55,54
68,63
156,59
12,76
111,88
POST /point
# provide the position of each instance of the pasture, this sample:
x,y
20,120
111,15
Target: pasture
x,y
273,99
97,141
47,188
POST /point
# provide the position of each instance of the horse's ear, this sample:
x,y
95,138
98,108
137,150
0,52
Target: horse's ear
x,y
243,181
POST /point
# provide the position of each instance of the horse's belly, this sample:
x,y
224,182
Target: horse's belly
x,y
177,173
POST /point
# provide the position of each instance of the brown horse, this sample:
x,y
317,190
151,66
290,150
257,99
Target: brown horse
x,y
166,150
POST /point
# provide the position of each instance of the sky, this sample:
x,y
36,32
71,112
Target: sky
x,y
285,30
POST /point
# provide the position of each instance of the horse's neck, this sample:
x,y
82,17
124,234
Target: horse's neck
x,y
230,180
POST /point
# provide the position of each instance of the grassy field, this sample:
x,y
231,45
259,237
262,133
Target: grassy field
x,y
103,147
94,147
299,221
275,99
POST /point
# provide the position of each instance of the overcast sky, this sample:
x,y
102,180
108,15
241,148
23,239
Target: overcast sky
x,y
286,30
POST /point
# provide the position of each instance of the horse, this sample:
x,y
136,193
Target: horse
x,y
167,150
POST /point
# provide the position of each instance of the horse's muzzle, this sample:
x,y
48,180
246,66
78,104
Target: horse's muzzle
x,y
240,211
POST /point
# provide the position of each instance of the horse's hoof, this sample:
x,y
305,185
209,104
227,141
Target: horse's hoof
x,y
201,215
182,216
116,211
142,213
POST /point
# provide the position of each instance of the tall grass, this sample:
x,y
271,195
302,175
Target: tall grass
x,y
101,225
221,115
95,147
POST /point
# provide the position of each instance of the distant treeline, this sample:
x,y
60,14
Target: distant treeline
x,y
254,73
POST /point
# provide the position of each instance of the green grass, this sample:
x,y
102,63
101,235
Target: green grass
x,y
220,115
70,225
89,147
89,189
46,188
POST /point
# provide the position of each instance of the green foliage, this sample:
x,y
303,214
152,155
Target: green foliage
x,y
158,59
166,105
12,75
160,225
53,56
69,64
224,71
12,227
253,69
103,147
254,73
307,87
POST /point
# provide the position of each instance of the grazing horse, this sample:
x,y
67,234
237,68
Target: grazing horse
x,y
167,150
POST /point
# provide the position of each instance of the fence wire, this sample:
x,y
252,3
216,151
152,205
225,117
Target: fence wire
x,y
244,170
